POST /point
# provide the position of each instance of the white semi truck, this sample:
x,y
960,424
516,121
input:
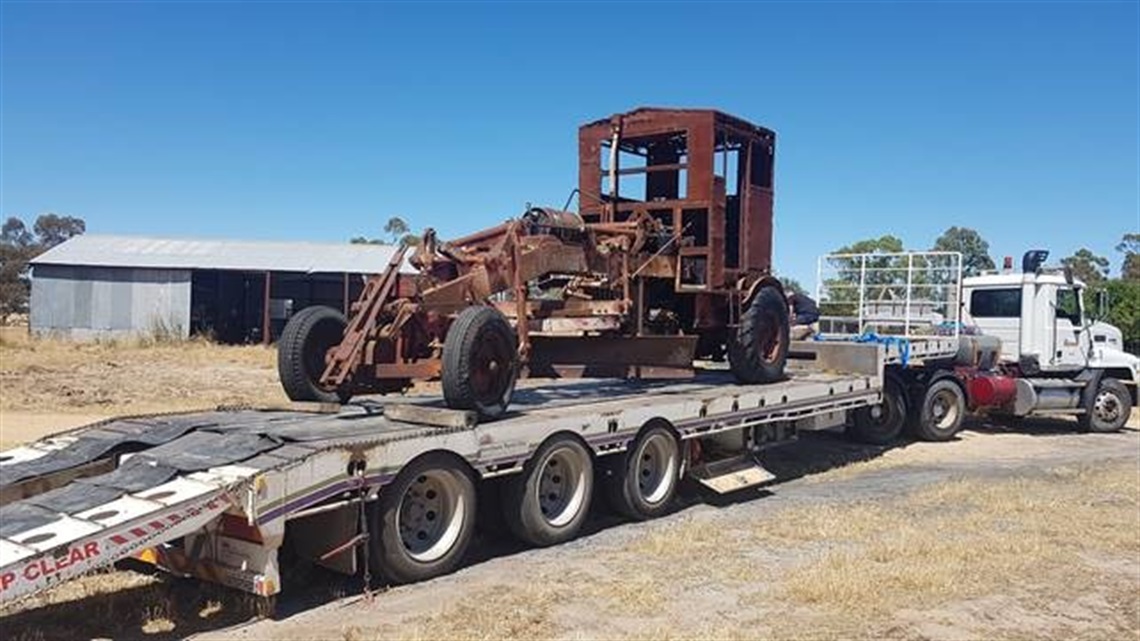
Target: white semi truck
x,y
1027,347
1065,362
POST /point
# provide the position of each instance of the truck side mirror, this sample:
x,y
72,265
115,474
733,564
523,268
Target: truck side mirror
x,y
1101,304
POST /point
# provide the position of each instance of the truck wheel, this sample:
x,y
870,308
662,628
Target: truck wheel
x,y
941,413
548,503
480,362
425,520
301,350
881,424
759,351
642,482
1108,409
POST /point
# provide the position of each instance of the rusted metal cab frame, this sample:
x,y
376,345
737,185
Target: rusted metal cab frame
x,y
706,175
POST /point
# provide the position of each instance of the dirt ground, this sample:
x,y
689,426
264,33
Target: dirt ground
x,y
1033,533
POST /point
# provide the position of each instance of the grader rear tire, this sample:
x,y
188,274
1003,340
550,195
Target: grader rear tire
x,y
759,351
307,337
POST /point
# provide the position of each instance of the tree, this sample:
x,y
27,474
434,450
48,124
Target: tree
x,y
1130,247
15,234
18,246
792,285
848,280
882,244
975,250
1087,266
397,231
52,229
395,228
1123,307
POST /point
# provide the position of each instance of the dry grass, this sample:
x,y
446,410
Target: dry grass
x,y
117,377
627,593
1052,555
498,612
1044,539
120,604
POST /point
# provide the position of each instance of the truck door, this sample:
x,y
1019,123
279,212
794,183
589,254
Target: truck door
x,y
997,312
1067,328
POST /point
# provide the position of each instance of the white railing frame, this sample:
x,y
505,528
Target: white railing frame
x,y
913,324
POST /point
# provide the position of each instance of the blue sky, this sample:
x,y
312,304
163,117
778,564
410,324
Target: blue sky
x,y
318,121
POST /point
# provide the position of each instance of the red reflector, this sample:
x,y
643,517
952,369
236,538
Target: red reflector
x,y
239,528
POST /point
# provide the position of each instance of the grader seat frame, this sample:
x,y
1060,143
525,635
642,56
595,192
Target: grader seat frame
x,y
667,260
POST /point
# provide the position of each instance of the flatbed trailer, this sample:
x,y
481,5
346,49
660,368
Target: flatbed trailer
x,y
214,494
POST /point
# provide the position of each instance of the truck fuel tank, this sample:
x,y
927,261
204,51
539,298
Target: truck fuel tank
x,y
1034,394
991,390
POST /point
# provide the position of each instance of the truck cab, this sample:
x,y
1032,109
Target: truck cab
x,y
1040,317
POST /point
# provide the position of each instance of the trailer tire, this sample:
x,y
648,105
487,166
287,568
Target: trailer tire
x,y
881,424
549,501
759,351
424,520
1107,409
307,337
939,416
480,362
642,482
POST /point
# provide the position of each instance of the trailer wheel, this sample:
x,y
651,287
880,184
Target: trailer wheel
x,y
425,520
548,503
642,482
480,362
881,424
1107,409
759,350
301,350
941,412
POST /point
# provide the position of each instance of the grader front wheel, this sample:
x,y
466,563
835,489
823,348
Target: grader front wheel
x,y
307,337
480,362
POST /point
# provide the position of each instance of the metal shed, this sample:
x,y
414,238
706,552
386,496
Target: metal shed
x,y
94,286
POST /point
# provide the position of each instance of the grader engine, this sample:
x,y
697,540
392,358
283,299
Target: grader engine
x,y
667,261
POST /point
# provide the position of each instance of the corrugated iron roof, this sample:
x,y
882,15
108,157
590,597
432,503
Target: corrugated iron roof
x,y
179,253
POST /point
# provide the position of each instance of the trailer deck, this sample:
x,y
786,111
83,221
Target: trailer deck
x,y
209,493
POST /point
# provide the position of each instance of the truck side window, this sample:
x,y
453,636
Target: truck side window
x,y
996,303
1067,306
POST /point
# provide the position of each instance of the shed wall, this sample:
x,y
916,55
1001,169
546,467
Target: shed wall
x,y
98,302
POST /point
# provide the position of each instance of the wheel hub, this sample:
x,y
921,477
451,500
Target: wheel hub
x,y
561,487
655,467
489,376
943,409
1106,407
430,512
